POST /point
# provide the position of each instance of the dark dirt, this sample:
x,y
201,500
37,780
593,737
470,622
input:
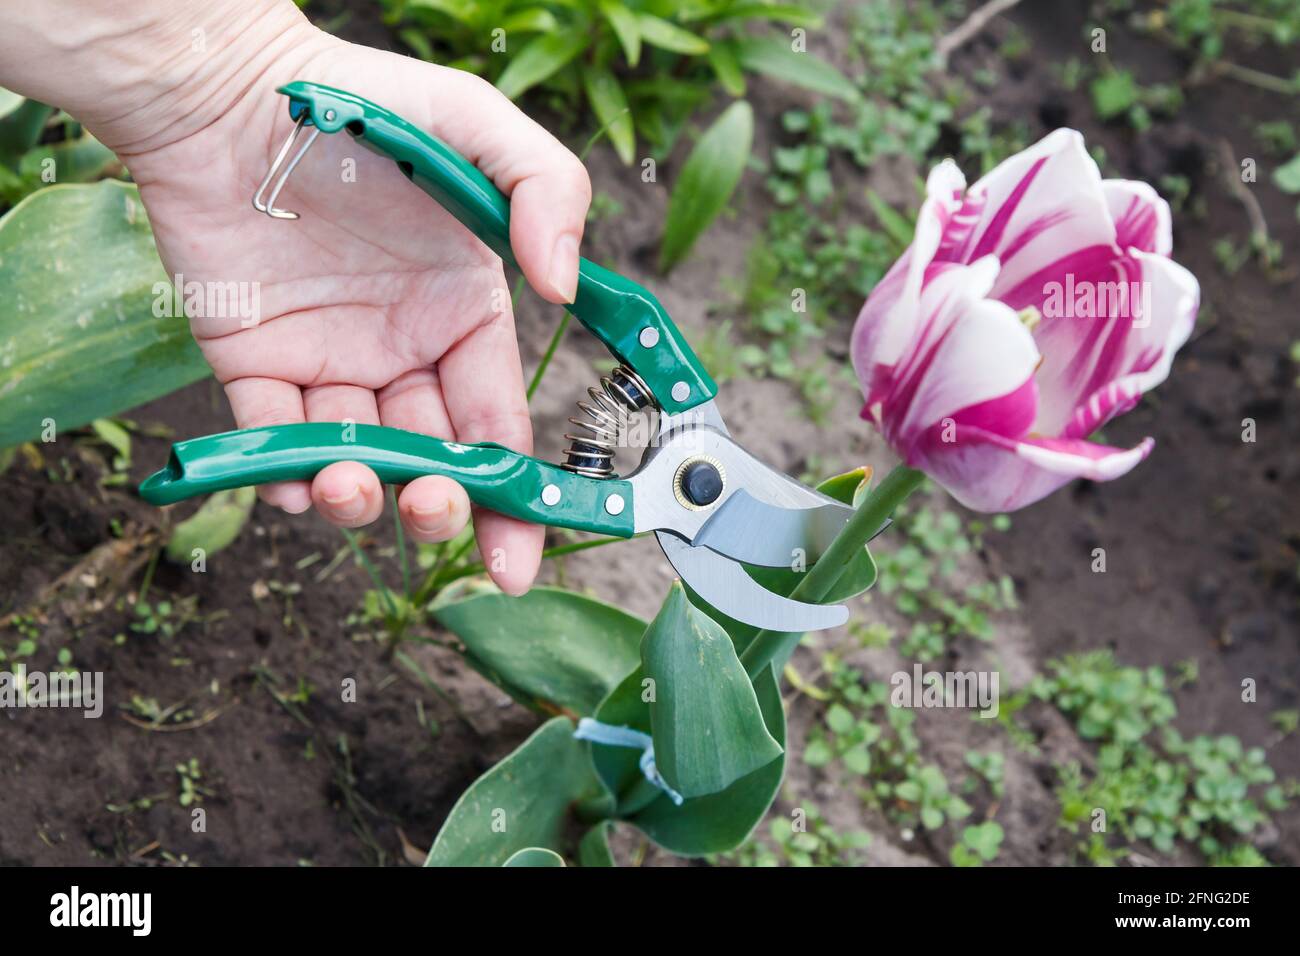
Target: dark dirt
x,y
1201,546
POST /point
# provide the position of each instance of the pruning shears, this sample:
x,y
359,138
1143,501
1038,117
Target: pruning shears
x,y
713,506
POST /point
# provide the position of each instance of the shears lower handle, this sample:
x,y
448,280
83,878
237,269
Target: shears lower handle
x,y
494,476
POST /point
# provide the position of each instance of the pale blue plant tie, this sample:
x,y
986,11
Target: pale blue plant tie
x,y
611,736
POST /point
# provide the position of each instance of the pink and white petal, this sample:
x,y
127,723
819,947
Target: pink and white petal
x,y
1110,401
1039,207
1150,305
979,351
1141,217
992,473
1078,458
884,328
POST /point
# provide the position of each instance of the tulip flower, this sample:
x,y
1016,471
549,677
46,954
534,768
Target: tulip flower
x,y
1029,311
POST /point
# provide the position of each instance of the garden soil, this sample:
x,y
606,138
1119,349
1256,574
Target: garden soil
x,y
1201,549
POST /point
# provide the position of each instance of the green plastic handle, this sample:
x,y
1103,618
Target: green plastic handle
x,y
619,312
495,477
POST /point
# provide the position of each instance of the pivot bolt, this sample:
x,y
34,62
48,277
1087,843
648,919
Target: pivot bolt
x,y
699,483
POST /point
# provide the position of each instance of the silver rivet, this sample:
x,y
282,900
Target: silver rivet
x,y
329,116
551,495
614,504
681,392
649,337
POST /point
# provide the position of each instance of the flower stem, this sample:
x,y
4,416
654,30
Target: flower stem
x,y
817,583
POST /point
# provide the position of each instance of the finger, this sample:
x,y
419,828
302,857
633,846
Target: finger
x,y
340,403
433,511
548,209
347,494
433,508
483,385
257,403
414,402
548,187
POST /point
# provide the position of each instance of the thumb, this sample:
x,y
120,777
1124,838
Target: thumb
x,y
548,187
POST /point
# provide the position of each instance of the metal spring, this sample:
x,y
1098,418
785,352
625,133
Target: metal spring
x,y
591,453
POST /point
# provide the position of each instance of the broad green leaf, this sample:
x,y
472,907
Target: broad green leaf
x,y
1287,176
214,526
9,101
462,11
711,824
79,339
531,20
668,36
710,176
704,716
551,649
21,128
624,24
858,575
727,69
79,160
773,56
535,856
520,803
541,59
610,105
594,849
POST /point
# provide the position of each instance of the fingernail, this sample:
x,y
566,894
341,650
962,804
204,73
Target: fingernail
x,y
563,277
517,590
431,520
347,506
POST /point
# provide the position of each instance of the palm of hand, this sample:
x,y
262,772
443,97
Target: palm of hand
x,y
375,306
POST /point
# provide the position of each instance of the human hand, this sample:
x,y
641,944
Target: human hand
x,y
376,306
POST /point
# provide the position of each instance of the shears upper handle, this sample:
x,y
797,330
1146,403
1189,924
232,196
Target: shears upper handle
x,y
625,316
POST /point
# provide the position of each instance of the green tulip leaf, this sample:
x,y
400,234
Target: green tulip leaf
x,y
552,650
21,127
79,160
715,823
9,101
707,180
80,278
704,716
522,802
535,856
594,849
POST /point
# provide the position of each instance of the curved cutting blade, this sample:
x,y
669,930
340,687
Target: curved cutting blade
x,y
756,532
724,584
